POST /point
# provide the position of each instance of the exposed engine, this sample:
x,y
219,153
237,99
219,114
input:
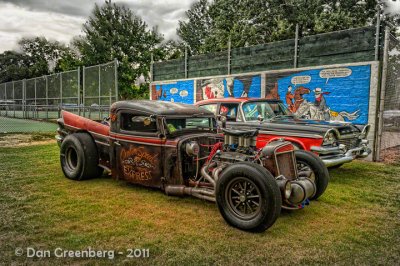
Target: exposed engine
x,y
214,156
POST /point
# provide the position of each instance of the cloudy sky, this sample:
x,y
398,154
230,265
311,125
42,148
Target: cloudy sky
x,y
62,19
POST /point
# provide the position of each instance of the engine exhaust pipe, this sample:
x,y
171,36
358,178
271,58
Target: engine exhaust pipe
x,y
301,190
180,190
204,173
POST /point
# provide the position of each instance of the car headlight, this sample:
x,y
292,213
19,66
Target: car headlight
x,y
329,138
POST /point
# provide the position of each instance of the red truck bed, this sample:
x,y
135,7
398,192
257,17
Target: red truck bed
x,y
78,123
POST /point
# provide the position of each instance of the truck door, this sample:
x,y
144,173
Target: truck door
x,y
138,148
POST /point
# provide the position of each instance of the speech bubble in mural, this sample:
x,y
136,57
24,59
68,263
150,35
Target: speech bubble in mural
x,y
183,93
173,91
335,73
300,80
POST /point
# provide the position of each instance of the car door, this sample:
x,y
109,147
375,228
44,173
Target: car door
x,y
138,148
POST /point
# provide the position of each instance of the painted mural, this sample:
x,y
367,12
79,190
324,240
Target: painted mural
x,y
338,94
239,86
179,91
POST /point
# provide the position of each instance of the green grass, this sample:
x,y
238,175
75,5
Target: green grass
x,y
356,221
9,125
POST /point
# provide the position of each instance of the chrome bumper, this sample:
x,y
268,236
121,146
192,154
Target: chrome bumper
x,y
333,156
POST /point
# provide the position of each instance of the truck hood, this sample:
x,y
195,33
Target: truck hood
x,y
303,126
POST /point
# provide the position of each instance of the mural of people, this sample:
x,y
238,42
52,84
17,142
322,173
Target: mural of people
x,y
337,94
289,98
239,86
272,94
320,102
179,91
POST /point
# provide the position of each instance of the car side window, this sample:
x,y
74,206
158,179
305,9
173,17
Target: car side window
x,y
139,123
210,107
230,110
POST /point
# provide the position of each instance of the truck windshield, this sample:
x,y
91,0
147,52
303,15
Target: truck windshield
x,y
175,125
267,110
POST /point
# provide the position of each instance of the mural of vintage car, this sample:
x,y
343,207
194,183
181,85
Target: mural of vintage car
x,y
176,148
335,142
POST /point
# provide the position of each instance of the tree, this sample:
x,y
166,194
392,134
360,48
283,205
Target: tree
x,y
114,31
250,22
44,53
14,66
169,50
195,31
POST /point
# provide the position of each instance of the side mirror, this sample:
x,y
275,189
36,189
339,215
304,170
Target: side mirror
x,y
260,118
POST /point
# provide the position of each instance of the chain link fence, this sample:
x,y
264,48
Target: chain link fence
x,y
100,89
43,98
389,133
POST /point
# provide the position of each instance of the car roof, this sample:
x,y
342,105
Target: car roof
x,y
234,100
161,107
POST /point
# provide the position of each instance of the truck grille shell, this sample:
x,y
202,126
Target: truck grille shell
x,y
280,159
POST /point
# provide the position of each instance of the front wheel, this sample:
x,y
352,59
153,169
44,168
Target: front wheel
x,y
248,197
311,166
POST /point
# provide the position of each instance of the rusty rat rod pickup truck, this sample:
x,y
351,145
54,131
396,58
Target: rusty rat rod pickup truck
x,y
177,149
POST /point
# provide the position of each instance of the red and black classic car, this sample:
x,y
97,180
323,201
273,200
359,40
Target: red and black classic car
x,y
176,148
335,142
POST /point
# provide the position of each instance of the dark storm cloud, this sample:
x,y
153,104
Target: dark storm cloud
x,y
67,7
62,19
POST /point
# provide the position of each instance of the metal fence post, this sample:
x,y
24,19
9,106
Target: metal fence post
x,y
61,96
296,43
79,90
151,67
6,99
100,113
83,90
116,78
35,108
382,93
13,97
47,97
186,62
24,98
229,55
377,33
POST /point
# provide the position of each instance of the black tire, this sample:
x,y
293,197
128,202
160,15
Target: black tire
x,y
261,183
335,166
79,157
321,174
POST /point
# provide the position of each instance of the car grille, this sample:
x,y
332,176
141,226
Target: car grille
x,y
350,143
286,165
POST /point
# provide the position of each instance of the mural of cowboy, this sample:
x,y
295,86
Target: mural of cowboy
x,y
320,102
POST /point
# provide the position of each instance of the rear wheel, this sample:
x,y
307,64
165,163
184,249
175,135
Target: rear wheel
x,y
79,157
248,197
311,166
